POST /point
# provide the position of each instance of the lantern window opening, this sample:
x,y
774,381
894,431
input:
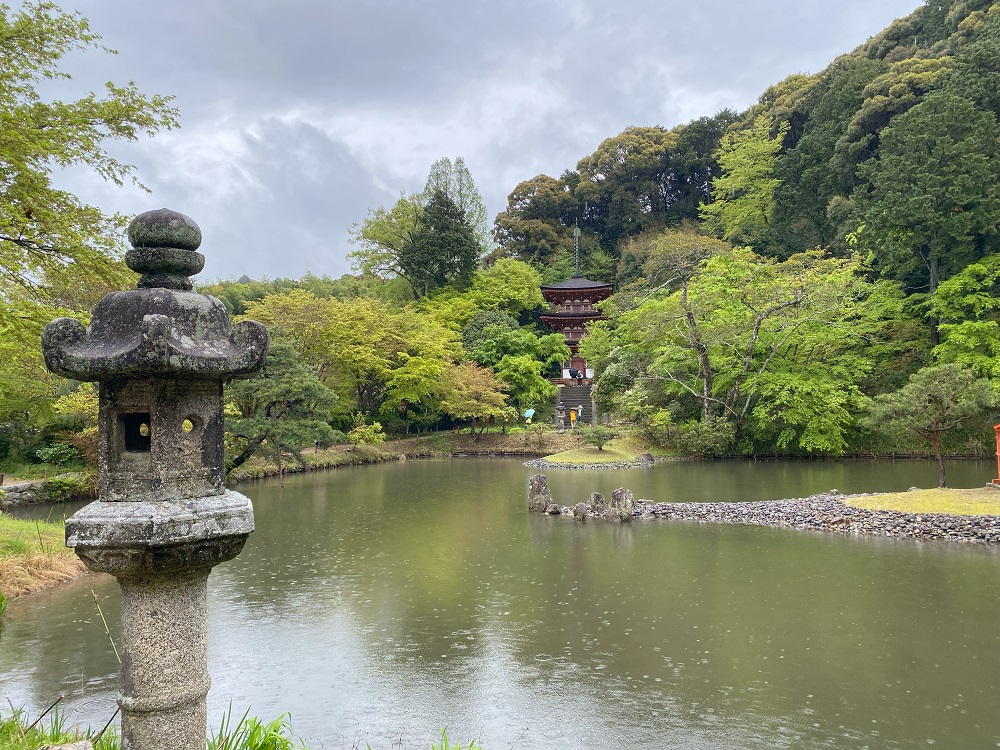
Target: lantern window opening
x,y
136,432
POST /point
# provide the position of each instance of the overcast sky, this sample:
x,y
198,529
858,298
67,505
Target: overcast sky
x,y
299,116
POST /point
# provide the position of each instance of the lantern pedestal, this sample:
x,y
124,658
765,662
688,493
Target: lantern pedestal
x,y
162,554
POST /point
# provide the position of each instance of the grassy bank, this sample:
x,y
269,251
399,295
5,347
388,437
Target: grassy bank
x,y
981,501
437,445
33,555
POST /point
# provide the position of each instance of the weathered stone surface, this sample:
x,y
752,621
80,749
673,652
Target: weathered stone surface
x,y
553,510
155,332
163,227
160,523
597,502
539,497
622,505
81,745
164,518
164,678
580,511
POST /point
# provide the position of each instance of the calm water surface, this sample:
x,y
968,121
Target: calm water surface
x,y
378,604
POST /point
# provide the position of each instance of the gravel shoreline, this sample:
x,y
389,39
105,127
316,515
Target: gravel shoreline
x,y
828,512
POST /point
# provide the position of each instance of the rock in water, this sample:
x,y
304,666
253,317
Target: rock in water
x,y
580,512
539,497
622,505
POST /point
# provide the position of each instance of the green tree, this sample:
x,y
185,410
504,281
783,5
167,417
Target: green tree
x,y
285,406
935,400
384,237
444,249
49,236
935,194
536,226
472,392
770,346
968,306
598,436
454,180
743,195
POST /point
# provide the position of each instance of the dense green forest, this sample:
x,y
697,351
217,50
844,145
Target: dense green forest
x,y
817,275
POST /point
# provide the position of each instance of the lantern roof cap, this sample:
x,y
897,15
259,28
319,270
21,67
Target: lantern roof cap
x,y
162,327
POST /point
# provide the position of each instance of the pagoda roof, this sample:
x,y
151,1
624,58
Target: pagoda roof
x,y
576,282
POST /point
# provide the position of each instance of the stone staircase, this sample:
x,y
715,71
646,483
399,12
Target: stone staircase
x,y
576,397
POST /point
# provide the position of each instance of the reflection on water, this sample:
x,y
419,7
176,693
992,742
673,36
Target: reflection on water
x,y
378,604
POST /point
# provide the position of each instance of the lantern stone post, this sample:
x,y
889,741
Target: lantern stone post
x,y
160,354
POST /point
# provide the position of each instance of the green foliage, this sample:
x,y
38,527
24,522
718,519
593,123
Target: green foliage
x,y
444,249
366,434
285,406
252,734
598,436
775,348
711,438
47,730
935,194
446,744
50,239
59,454
743,195
968,305
66,487
936,400
455,181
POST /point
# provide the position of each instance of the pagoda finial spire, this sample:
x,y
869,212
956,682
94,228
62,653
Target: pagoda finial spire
x,y
576,251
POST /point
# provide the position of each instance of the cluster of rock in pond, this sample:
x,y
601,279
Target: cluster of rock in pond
x,y
822,512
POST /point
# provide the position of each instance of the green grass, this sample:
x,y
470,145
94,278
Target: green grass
x,y
15,470
19,732
33,554
18,537
982,501
614,451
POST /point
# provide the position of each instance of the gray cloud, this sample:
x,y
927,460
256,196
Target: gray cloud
x,y
299,116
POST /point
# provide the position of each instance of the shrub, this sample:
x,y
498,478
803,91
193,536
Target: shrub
x,y
367,434
709,439
598,436
71,486
59,454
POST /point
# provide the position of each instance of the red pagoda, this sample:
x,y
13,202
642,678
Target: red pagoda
x,y
574,301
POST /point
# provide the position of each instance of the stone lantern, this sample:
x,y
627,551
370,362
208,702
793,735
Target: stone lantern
x,y
160,354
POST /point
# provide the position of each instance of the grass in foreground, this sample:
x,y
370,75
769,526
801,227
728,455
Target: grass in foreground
x,y
33,555
18,732
982,501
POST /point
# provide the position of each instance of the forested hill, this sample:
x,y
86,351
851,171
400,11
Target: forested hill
x,y
892,146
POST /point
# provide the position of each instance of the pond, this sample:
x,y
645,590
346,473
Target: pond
x,y
379,604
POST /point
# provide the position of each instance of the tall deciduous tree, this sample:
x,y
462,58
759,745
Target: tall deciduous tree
x,y
743,195
935,400
47,234
385,236
455,180
765,345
